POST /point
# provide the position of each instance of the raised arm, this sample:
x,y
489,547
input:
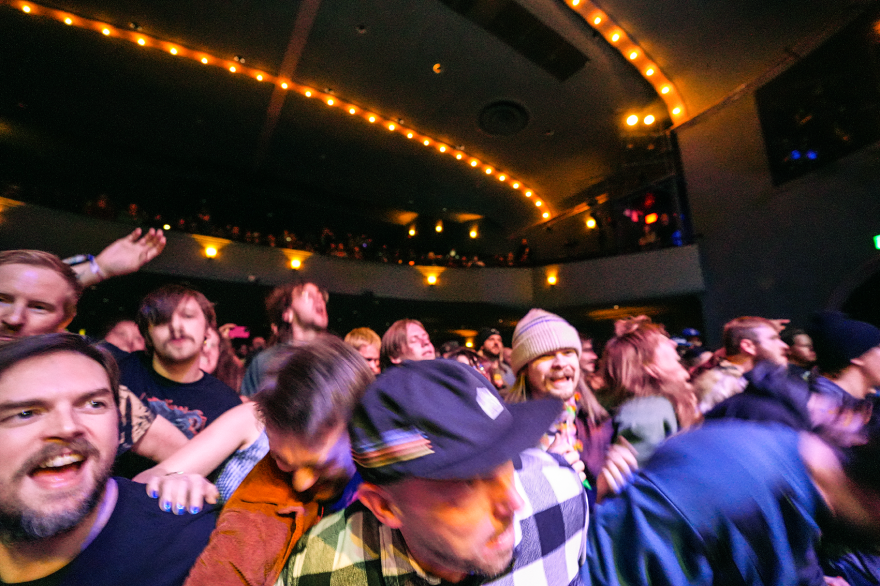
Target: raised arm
x,y
124,256
179,481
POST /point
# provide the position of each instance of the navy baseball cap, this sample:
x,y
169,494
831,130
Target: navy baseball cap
x,y
441,420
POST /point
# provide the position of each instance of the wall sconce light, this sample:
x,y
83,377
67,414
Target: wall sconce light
x,y
211,246
469,343
412,232
551,280
295,258
474,233
439,226
432,279
591,222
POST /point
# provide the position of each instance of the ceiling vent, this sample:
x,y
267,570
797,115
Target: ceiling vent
x,y
503,118
518,28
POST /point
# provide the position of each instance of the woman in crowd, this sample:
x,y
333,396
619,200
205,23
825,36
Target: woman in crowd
x,y
646,387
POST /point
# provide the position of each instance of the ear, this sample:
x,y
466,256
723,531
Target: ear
x,y
287,315
379,501
63,325
395,360
652,370
748,347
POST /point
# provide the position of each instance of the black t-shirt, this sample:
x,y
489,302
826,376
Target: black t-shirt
x,y
139,545
189,406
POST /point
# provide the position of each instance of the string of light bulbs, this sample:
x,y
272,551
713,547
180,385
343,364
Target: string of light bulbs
x,y
237,67
637,56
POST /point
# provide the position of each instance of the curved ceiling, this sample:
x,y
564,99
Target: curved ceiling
x,y
556,92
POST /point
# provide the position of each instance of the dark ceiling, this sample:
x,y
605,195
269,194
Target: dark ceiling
x,y
74,103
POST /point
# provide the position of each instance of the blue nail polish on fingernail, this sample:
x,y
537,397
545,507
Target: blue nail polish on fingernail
x,y
179,509
154,494
166,506
195,510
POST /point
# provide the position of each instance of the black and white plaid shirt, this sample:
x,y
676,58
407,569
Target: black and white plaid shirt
x,y
352,548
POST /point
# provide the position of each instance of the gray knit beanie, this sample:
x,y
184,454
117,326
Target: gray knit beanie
x,y
538,333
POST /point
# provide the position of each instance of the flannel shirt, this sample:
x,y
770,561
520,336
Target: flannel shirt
x,y
352,548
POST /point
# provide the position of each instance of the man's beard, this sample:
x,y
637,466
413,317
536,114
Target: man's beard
x,y
491,355
20,524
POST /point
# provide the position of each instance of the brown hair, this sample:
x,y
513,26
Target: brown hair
x,y
47,260
624,371
158,307
742,328
394,341
314,388
31,346
278,301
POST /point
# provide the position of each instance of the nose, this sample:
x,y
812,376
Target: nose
x,y
64,422
15,317
175,323
303,479
507,499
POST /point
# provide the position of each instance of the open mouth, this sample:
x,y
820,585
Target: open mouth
x,y
563,379
58,470
502,540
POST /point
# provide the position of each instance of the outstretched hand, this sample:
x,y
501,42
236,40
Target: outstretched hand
x,y
178,492
130,253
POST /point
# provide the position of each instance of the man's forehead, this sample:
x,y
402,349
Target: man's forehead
x,y
415,330
34,377
39,279
504,470
766,332
287,444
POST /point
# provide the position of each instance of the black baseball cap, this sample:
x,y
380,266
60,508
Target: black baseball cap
x,y
441,420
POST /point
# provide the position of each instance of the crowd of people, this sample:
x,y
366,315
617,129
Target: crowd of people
x,y
157,456
624,231
391,247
